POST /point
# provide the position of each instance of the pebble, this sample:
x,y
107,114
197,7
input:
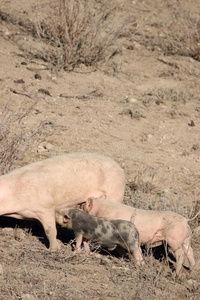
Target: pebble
x,y
133,100
192,284
27,297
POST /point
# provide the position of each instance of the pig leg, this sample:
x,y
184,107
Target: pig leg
x,y
189,252
179,254
137,254
49,225
86,247
175,241
79,239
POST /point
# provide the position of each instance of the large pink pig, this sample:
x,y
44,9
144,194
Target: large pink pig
x,y
153,226
35,191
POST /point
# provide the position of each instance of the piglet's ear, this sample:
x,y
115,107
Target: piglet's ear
x,y
88,204
66,218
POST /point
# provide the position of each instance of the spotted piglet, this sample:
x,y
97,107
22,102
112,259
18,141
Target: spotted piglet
x,y
106,232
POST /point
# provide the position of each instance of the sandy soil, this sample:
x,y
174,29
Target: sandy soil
x,y
142,108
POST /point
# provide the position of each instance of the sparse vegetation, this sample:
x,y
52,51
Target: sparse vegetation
x,y
167,94
81,33
121,279
15,138
179,35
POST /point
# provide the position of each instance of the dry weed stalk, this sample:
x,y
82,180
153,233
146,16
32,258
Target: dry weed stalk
x,y
15,138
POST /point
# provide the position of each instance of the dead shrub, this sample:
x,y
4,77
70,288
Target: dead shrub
x,y
14,137
179,34
81,32
183,33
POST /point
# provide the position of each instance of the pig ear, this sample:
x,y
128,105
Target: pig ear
x,y
66,218
89,204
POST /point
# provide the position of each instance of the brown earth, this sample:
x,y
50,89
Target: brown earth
x,y
141,106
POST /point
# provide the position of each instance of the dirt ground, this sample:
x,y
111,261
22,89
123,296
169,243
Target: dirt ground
x,y
141,107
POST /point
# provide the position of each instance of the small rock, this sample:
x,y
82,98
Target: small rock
x,y
19,81
52,77
130,47
195,147
38,76
49,146
6,32
125,99
192,285
44,91
149,136
41,149
45,147
133,100
192,124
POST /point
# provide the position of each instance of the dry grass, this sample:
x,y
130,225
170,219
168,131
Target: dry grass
x,y
167,94
81,276
176,32
15,137
182,35
143,193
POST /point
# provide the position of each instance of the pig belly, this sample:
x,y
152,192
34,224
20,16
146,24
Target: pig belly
x,y
154,239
